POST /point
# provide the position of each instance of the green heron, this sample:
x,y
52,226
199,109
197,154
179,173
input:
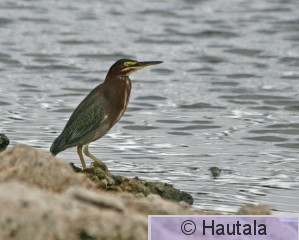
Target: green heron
x,y
99,111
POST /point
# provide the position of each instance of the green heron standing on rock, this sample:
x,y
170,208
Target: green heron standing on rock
x,y
99,111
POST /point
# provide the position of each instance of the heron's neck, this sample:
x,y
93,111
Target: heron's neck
x,y
112,77
113,83
117,91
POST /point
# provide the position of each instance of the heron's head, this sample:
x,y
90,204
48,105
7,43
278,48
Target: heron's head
x,y
125,67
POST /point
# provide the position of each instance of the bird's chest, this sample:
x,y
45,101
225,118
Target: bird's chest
x,y
119,100
123,95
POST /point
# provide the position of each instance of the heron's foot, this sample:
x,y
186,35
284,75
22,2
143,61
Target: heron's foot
x,y
99,164
102,172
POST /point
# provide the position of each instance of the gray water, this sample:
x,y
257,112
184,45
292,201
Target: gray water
x,y
227,94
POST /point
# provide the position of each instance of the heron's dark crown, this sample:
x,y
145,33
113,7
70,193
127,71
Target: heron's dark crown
x,y
123,63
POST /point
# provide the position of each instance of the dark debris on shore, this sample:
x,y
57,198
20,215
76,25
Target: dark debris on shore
x,y
4,142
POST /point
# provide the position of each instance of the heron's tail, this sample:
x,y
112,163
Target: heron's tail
x,y
57,146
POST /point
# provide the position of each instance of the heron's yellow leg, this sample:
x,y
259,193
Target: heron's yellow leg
x,y
88,154
79,151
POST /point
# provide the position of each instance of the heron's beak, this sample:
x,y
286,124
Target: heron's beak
x,y
137,66
140,65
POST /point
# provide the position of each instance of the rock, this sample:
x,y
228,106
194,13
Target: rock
x,y
75,214
33,213
167,191
215,172
137,186
38,168
155,205
4,141
252,209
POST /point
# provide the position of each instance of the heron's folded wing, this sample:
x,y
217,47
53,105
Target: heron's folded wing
x,y
85,119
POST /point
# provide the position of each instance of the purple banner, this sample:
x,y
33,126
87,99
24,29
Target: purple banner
x,y
223,228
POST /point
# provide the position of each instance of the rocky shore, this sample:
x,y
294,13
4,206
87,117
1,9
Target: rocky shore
x,y
42,197
138,187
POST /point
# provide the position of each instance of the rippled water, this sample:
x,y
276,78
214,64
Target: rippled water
x,y
227,94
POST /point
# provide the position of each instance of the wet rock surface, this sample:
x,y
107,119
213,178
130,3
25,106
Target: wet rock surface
x,y
42,197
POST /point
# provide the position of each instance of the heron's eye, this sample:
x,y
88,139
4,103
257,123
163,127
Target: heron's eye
x,y
129,64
